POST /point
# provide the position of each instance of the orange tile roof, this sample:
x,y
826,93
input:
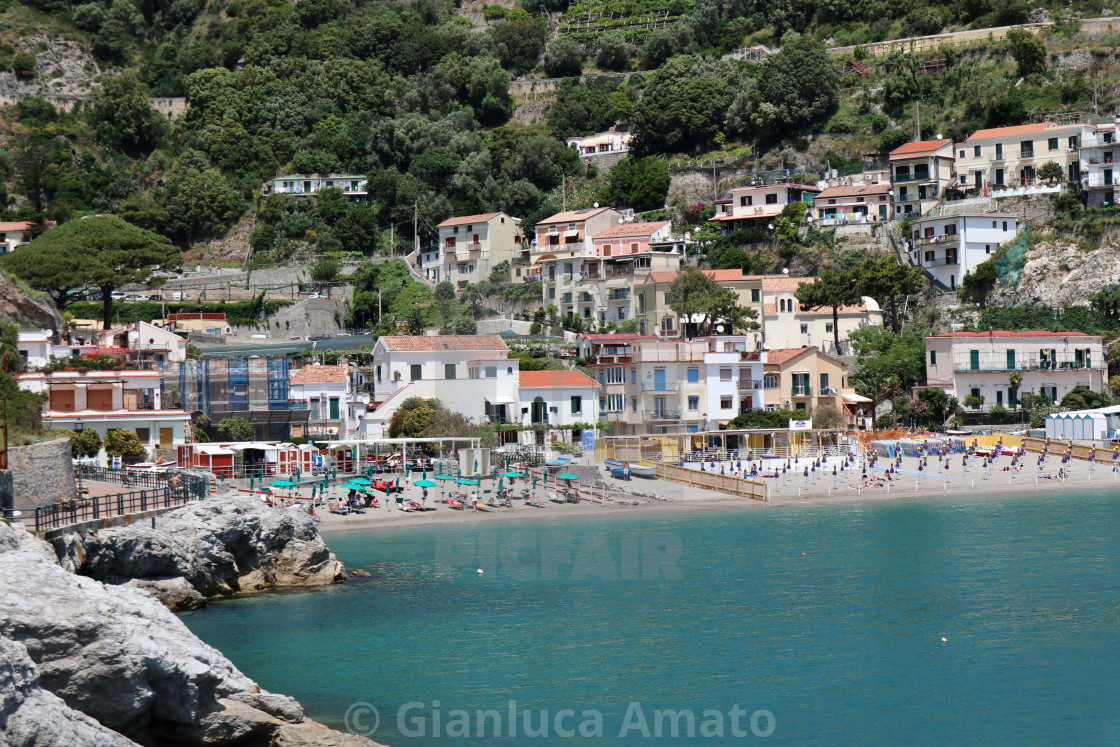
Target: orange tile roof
x,y
543,379
321,375
920,147
16,226
409,343
632,229
1022,333
1027,129
724,276
779,283
464,220
785,355
661,276
765,211
856,190
572,216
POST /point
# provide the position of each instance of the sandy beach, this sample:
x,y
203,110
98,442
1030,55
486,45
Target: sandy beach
x,y
948,478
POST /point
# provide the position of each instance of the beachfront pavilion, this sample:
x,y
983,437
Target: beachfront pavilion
x,y
363,450
770,442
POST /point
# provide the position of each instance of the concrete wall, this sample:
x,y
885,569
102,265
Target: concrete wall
x,y
42,473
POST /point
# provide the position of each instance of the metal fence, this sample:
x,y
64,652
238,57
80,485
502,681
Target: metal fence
x,y
156,490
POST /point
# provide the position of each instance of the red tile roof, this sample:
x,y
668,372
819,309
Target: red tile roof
x,y
443,342
1027,129
464,220
784,355
632,229
918,148
860,190
321,375
607,339
16,226
543,379
723,276
1009,333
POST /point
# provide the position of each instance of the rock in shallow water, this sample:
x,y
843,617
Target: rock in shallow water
x,y
213,548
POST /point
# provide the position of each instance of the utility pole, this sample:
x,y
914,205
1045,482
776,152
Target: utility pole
x,y
918,116
416,226
391,227
379,306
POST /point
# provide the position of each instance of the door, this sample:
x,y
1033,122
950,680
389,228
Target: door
x,y
1010,360
166,436
334,408
974,360
659,380
882,212
659,407
979,179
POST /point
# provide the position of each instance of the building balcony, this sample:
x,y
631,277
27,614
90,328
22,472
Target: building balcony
x,y
662,415
940,262
658,386
906,198
802,391
945,238
1001,366
746,385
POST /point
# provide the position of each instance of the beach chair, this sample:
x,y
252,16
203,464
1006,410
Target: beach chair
x,y
455,503
531,500
555,498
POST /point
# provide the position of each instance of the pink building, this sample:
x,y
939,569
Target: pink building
x,y
634,238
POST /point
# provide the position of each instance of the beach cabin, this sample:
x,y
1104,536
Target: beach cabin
x,y
1099,424
214,458
258,459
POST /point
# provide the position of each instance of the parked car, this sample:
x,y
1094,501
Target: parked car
x,y
155,296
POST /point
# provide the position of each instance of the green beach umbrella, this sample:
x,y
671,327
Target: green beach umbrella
x,y
360,481
567,476
512,474
425,484
501,480
284,484
443,477
465,481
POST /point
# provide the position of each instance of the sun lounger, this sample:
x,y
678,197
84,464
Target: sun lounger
x,y
530,501
455,503
555,498
336,509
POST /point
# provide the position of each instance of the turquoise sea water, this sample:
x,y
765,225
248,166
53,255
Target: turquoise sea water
x,y
841,645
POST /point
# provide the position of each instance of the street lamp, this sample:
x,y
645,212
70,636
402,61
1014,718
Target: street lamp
x,y
79,426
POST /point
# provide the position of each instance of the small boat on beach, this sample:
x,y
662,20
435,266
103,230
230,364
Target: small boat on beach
x,y
638,470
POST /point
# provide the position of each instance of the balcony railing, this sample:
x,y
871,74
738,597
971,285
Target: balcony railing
x,y
746,385
1062,364
661,386
944,238
803,390
906,198
940,262
663,414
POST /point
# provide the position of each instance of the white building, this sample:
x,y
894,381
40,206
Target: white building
x,y
602,142
980,364
143,341
35,348
12,235
733,378
104,400
1099,173
557,398
469,374
331,396
785,325
950,247
352,185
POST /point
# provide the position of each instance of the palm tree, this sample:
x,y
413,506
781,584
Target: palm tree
x,y
1015,379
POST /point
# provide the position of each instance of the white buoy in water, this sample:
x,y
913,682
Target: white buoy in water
x,y
480,571
943,640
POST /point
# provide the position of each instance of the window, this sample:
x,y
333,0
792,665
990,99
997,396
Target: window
x,y
999,151
770,381
745,201
616,375
693,375
999,397
933,357
1010,360
804,329
449,370
602,405
552,293
667,324
961,154
987,248
725,402
1052,143
694,403
633,404
633,376
725,374
828,327
577,405
144,434
616,402
772,198
416,371
824,381
491,372
756,295
976,151
1005,225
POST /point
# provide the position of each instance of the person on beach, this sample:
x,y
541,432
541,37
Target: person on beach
x,y
424,497
474,500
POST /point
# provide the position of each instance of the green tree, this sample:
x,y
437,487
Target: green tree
x,y
84,444
640,183
684,105
979,283
1029,51
121,115
325,270
694,295
563,58
887,364
105,252
891,284
1050,171
798,86
123,443
614,52
236,429
833,290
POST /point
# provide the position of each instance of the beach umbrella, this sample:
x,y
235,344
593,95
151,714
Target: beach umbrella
x,y
513,474
567,476
465,481
425,484
359,481
555,463
501,481
442,477
284,484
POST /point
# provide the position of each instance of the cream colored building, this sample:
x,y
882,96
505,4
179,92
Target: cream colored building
x,y
920,171
1005,159
470,246
805,378
980,363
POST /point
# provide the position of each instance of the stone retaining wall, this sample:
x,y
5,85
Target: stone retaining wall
x,y
42,473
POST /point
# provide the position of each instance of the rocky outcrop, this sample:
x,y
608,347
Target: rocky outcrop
x,y
33,717
84,663
214,548
1062,273
17,305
